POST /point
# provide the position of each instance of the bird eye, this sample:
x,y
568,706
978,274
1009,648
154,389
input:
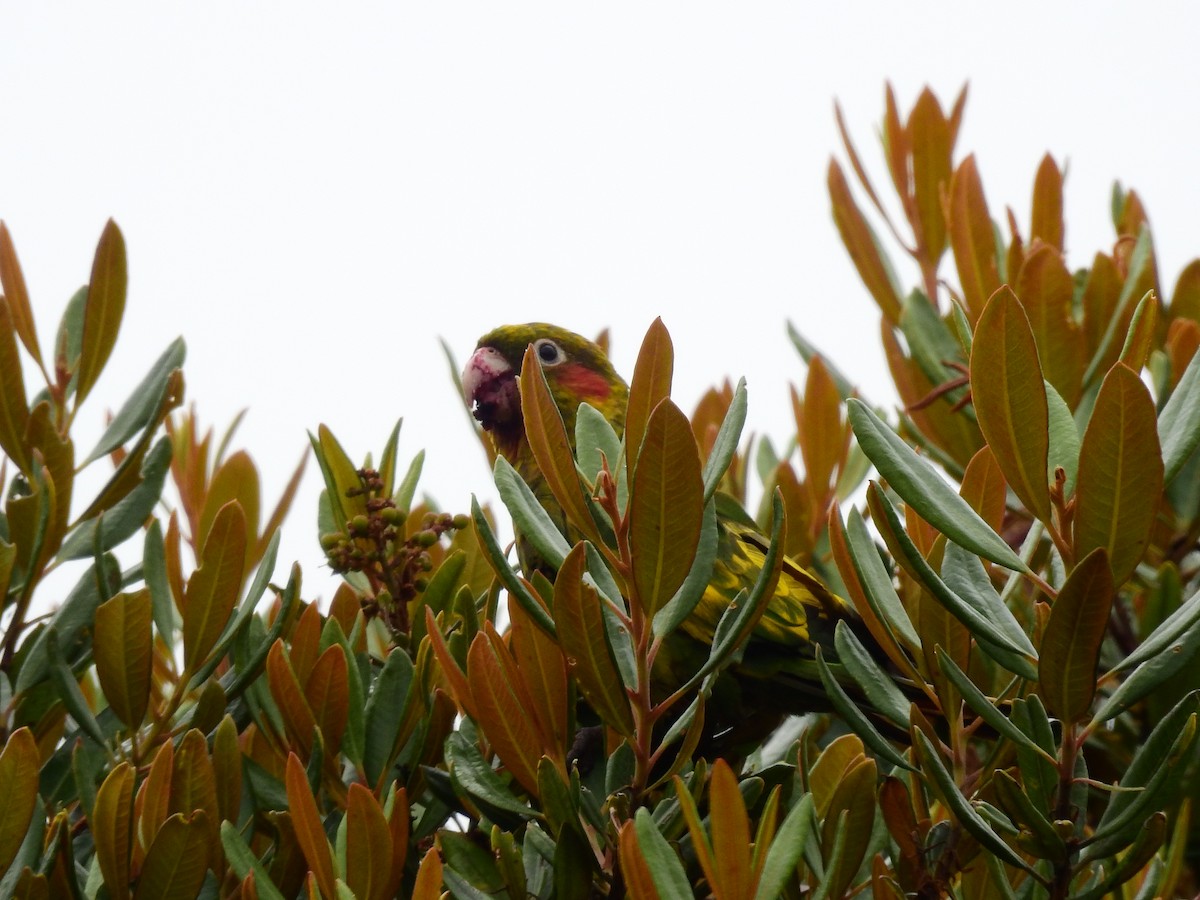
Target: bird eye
x,y
548,352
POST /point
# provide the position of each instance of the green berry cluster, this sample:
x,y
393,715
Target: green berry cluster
x,y
395,560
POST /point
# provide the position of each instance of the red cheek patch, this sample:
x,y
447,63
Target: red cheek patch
x,y
584,383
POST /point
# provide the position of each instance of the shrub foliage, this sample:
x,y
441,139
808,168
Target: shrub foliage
x,y
1020,540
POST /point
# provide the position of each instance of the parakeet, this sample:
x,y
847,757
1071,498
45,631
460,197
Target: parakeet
x,y
777,673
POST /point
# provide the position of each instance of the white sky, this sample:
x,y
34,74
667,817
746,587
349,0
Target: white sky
x,y
311,197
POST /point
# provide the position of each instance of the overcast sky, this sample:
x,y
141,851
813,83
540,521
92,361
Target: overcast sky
x,y
312,195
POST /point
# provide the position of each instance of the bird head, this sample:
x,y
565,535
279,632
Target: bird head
x,y
576,369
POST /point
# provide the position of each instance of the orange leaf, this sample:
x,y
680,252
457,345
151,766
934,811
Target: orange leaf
x,y
651,385
285,688
306,820
730,833
460,687
213,588
305,642
580,624
122,648
929,134
428,885
1046,221
983,487
12,283
110,824
328,694
1119,485
368,845
972,238
1185,299
547,437
154,800
1101,292
19,765
638,880
398,826
104,308
862,245
1010,399
14,407
824,435
545,669
665,507
1047,291
177,860
236,479
503,706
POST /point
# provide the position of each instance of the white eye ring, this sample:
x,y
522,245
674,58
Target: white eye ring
x,y
548,352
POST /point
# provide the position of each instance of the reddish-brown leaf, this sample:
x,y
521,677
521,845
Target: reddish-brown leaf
x,y
328,694
929,134
428,885
14,407
236,479
1047,289
368,845
665,507
730,834
972,238
1120,479
154,800
1185,299
548,441
581,633
983,487
545,669
12,284
862,245
1010,399
1071,641
651,385
824,436
310,832
503,708
1046,220
289,697
104,308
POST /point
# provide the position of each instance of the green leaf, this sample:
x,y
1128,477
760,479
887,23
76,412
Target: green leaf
x,y
595,442
854,716
243,861
145,401
104,310
991,637
1151,674
177,861
931,342
1026,814
472,775
530,518
69,692
726,444
925,490
662,861
878,686
77,612
984,707
876,581
1007,390
386,708
154,571
785,851
964,812
123,520
1071,642
408,487
666,507
964,575
1141,257
808,352
1179,421
1064,440
1120,474
387,460
515,585
1180,621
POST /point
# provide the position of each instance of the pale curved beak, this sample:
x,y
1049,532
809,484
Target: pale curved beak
x,y
485,366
